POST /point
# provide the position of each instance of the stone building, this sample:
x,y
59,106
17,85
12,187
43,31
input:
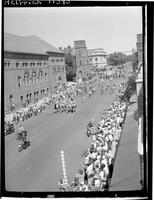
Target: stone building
x,y
97,58
32,69
82,59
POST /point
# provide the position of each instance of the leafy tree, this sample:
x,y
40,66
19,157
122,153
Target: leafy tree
x,y
70,76
116,58
70,65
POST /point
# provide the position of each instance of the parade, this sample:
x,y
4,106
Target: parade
x,y
73,100
97,167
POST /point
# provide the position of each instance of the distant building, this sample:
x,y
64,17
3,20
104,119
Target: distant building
x,y
32,69
97,58
82,59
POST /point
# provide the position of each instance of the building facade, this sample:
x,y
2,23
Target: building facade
x,y
32,69
97,58
82,59
139,89
139,46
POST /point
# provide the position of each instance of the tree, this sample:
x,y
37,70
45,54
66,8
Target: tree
x,y
70,65
70,76
116,58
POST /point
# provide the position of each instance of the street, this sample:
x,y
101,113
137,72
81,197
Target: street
x,y
38,168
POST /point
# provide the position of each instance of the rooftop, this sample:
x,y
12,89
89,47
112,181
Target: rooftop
x,y
27,44
97,50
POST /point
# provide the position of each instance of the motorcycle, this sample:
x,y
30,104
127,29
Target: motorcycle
x,y
23,145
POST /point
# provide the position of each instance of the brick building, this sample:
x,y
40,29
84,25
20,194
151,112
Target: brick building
x,y
32,69
82,59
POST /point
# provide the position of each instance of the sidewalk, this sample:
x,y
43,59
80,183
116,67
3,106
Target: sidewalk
x,y
126,172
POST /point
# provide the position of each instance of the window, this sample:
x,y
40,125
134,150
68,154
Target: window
x,y
8,64
40,76
53,60
95,59
54,70
26,78
58,69
62,69
17,65
34,80
5,65
21,98
46,77
57,60
80,62
19,81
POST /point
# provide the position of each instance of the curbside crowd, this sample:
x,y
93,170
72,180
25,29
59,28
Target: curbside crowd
x,y
97,167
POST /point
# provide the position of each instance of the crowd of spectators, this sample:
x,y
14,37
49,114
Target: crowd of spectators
x,y
98,162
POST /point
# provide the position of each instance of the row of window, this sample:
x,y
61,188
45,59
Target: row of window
x,y
32,80
57,60
26,65
96,59
36,95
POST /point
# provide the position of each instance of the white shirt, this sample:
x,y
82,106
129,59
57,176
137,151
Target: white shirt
x,y
93,155
105,147
97,183
106,170
90,169
102,175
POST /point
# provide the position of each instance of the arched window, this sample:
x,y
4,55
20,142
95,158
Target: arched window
x,y
46,77
11,102
19,81
58,69
40,76
26,78
34,80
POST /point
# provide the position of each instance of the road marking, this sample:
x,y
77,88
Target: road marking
x,y
63,166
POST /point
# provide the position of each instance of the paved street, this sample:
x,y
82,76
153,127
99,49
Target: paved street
x,y
126,174
39,167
